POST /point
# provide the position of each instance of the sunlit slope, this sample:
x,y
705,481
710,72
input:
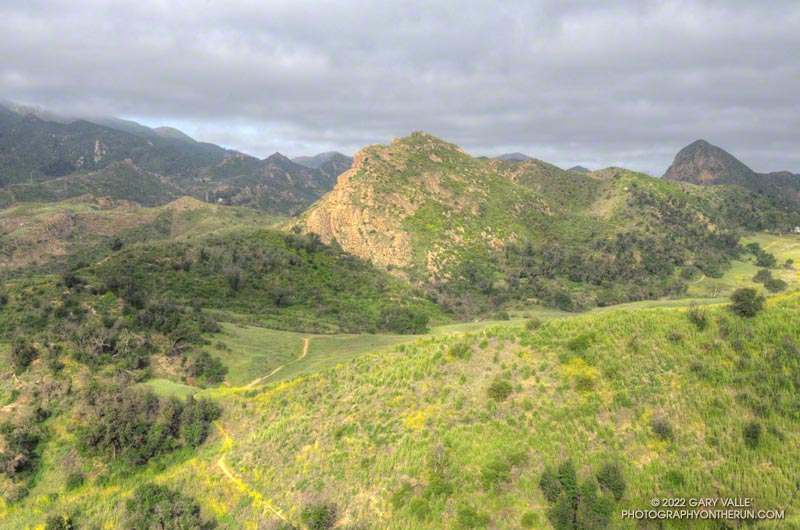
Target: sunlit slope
x,y
429,436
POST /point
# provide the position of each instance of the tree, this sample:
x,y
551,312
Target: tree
x,y
746,302
775,285
157,507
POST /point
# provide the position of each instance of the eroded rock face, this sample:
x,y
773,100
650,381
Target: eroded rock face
x,y
352,216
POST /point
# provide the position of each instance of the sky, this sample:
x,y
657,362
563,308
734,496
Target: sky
x,y
594,83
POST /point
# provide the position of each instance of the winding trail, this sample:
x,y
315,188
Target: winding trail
x,y
241,486
703,277
227,445
254,382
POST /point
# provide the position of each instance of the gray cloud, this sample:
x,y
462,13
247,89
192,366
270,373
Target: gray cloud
x,y
624,83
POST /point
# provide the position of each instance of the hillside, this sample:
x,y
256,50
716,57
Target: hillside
x,y
484,233
86,229
708,165
479,431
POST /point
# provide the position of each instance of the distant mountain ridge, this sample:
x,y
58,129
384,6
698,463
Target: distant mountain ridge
x,y
37,148
580,169
708,165
519,157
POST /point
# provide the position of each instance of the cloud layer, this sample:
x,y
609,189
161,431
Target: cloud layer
x,y
625,83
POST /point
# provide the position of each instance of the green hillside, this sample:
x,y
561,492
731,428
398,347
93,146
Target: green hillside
x,y
471,431
482,234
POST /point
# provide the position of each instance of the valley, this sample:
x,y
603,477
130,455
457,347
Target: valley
x,y
434,341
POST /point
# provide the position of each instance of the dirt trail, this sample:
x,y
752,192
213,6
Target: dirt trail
x,y
254,382
703,277
244,488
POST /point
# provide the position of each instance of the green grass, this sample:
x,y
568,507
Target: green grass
x,y
165,387
364,429
252,352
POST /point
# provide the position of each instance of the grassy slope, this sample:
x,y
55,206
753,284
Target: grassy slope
x,y
355,434
741,272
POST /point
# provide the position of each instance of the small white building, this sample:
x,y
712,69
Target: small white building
x,y
796,230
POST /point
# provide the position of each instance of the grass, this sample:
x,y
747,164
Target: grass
x,y
165,387
252,352
365,429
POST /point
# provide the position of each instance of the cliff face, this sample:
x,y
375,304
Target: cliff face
x,y
362,223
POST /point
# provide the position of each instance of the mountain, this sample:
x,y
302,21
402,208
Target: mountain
x,y
482,233
273,184
579,169
159,164
32,149
708,165
519,157
171,132
331,164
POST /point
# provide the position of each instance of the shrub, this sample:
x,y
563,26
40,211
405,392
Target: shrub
x,y
209,369
22,353
533,323
59,522
550,485
752,434
746,302
469,517
529,520
321,516
403,320
499,390
460,350
611,479
775,285
697,316
494,473
419,508
581,343
157,507
762,276
662,429
74,481
765,259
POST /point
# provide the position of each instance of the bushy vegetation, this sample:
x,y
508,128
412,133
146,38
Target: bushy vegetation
x,y
288,281
746,302
135,425
156,507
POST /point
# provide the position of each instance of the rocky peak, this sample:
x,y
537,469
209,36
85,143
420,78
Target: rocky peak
x,y
703,163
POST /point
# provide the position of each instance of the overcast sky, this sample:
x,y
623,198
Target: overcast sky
x,y
625,83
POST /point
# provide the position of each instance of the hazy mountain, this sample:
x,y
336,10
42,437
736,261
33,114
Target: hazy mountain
x,y
171,132
331,164
273,184
35,155
580,169
703,163
513,156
